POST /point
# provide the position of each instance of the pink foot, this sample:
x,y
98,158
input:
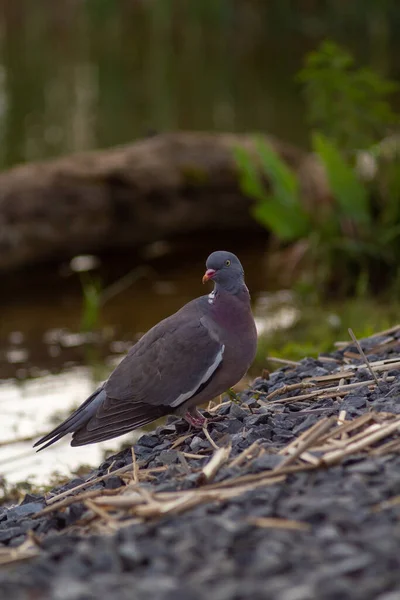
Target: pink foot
x,y
195,419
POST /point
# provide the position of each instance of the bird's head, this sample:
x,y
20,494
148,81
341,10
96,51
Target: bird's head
x,y
225,269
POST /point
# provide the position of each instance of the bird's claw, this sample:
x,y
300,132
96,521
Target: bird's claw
x,y
196,420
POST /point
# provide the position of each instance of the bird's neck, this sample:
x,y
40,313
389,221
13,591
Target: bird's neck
x,y
226,306
241,292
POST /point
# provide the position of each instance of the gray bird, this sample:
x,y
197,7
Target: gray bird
x,y
185,360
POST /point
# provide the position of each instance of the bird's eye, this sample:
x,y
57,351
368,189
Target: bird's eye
x,y
227,263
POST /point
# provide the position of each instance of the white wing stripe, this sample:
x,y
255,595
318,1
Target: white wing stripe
x,y
183,397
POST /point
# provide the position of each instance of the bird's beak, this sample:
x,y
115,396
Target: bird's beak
x,y
209,274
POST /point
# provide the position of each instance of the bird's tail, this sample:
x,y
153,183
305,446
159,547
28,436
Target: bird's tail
x,y
75,421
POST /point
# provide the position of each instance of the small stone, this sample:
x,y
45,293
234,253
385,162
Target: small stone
x,y
149,441
197,444
22,510
265,462
7,534
258,419
113,483
233,426
238,412
130,555
167,457
366,467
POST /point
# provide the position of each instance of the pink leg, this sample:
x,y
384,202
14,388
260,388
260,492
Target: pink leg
x,y
194,418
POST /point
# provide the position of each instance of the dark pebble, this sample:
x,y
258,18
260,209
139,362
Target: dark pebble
x,y
149,441
237,412
10,532
265,462
113,483
24,509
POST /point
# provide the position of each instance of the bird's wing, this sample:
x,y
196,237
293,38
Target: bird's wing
x,y
169,365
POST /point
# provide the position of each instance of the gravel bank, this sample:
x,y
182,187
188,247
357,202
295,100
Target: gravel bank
x,y
293,494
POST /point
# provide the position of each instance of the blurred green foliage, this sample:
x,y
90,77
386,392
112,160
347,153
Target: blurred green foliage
x,y
104,72
91,301
356,239
279,209
348,105
317,328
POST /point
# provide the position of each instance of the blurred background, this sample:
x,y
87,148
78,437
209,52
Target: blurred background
x,y
308,87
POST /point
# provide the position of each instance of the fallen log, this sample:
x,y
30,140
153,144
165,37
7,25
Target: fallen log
x,y
152,189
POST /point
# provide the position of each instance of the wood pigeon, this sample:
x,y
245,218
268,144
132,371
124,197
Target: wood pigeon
x,y
185,360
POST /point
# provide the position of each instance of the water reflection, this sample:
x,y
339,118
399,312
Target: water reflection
x,y
30,407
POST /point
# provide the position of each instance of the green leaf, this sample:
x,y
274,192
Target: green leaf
x,y
349,192
286,225
281,210
249,176
283,180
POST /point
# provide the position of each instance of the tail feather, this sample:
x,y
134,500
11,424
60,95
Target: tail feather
x,y
97,420
78,419
83,436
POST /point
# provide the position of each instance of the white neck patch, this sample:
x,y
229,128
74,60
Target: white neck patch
x,y
211,297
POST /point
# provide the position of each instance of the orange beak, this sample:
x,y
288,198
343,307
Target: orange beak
x,y
209,274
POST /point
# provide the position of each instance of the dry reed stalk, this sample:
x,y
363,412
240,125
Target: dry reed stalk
x,y
218,459
72,499
26,551
323,426
303,436
337,455
365,359
387,366
89,482
378,364
218,406
386,504
209,438
180,440
164,502
324,392
264,476
388,448
343,443
275,523
333,377
195,456
310,458
135,468
122,501
290,388
282,361
350,426
245,454
103,514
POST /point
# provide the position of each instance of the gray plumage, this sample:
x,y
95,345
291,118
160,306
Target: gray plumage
x,y
185,360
